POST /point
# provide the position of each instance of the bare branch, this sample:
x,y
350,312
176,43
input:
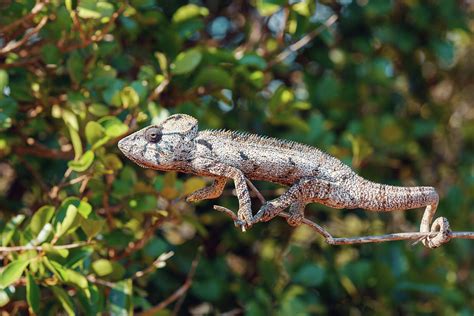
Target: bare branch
x,y
41,248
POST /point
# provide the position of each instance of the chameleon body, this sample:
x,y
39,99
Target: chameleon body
x,y
312,175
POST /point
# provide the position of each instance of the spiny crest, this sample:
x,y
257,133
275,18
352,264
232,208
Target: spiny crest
x,y
246,137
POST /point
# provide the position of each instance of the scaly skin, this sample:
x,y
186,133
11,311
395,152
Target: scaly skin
x,y
312,175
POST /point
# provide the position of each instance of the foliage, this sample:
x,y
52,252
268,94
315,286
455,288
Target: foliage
x,y
387,88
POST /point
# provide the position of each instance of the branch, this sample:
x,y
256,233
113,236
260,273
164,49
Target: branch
x,y
42,151
293,48
417,236
180,292
37,8
41,248
12,45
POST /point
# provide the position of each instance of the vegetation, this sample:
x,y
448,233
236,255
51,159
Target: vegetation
x,y
387,88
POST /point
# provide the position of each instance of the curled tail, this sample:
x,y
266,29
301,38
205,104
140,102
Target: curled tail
x,y
381,197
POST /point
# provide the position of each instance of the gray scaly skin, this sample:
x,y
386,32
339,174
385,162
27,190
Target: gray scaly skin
x,y
312,175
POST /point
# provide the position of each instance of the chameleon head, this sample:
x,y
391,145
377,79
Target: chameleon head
x,y
164,146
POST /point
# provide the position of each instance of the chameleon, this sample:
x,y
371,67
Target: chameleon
x,y
311,175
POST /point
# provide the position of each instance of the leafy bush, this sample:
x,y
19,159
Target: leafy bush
x,y
387,88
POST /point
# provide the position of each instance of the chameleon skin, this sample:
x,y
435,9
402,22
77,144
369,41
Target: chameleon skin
x,y
312,175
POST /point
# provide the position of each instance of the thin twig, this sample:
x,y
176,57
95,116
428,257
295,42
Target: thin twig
x,y
256,191
41,248
181,291
12,45
158,90
34,11
158,263
303,41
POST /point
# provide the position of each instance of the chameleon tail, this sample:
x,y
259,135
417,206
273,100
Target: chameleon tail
x,y
381,197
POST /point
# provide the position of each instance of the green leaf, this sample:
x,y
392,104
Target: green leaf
x,y
8,109
98,109
92,227
76,141
51,54
12,272
189,11
83,163
32,294
129,97
84,209
121,298
111,270
142,203
75,66
102,267
3,80
94,132
4,297
254,61
91,9
214,77
162,62
64,299
71,4
76,278
11,228
42,216
66,215
113,126
186,61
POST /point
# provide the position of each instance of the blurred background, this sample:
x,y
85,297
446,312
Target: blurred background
x,y
385,86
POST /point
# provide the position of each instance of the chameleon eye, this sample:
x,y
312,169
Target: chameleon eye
x,y
153,135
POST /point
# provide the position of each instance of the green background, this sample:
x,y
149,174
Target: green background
x,y
388,88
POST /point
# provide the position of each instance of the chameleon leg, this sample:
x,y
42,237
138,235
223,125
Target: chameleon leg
x,y
304,191
296,213
244,214
211,192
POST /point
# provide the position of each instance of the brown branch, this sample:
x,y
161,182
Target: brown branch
x,y
38,150
293,48
181,291
12,45
34,11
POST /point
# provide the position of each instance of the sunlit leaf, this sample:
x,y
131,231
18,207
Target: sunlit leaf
x,y
189,11
65,216
12,272
10,228
83,163
42,216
